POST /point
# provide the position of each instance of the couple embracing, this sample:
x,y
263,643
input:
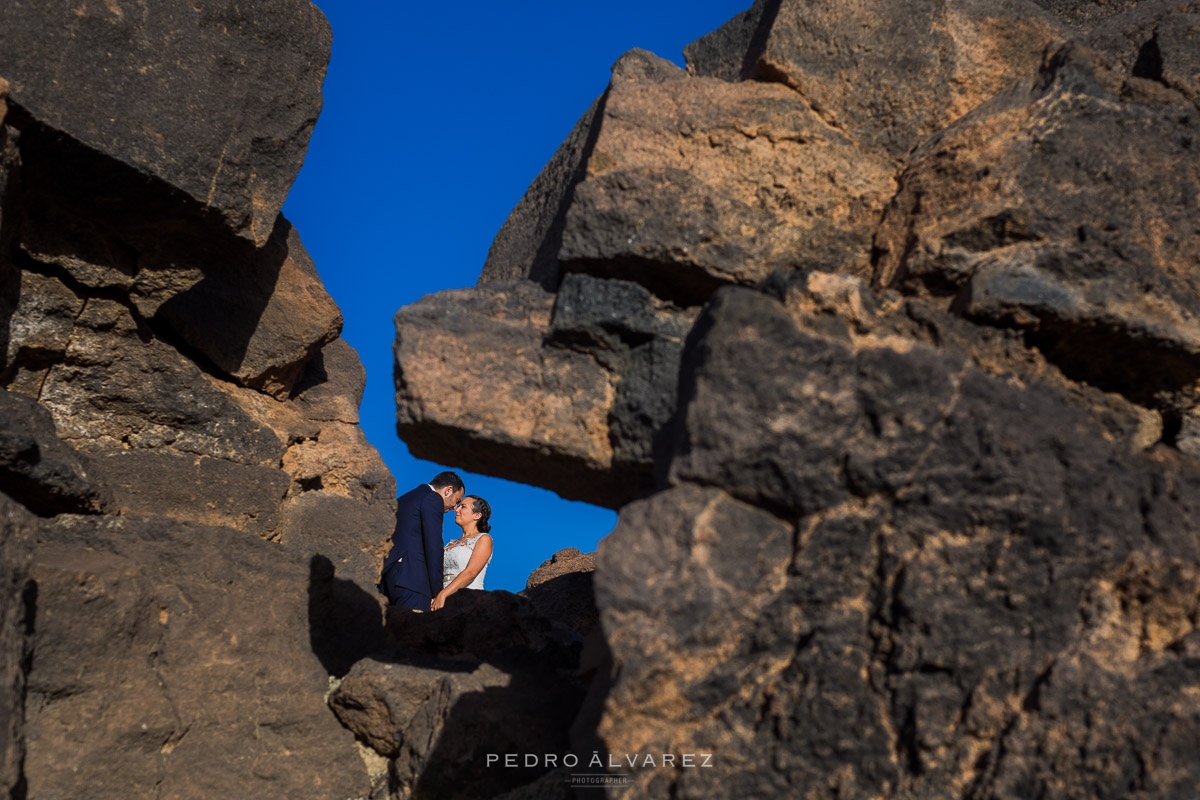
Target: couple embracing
x,y
419,573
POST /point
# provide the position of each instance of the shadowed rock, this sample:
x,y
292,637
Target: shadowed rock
x,y
888,617
39,470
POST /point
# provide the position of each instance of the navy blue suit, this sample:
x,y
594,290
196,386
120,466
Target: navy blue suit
x,y
415,561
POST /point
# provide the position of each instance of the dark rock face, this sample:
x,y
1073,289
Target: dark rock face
x,y
16,604
597,360
191,670
38,469
1069,234
487,675
923,513
216,100
173,370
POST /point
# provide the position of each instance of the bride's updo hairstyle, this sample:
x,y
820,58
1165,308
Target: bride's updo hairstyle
x,y
481,506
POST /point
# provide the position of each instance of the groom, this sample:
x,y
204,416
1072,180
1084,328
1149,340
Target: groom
x,y
412,571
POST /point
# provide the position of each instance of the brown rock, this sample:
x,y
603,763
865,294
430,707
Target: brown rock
x,y
696,182
1154,42
950,525
1063,211
354,535
565,562
562,590
40,471
440,721
199,489
573,391
483,626
527,245
191,672
39,328
258,322
115,388
16,549
475,411
887,75
331,388
215,102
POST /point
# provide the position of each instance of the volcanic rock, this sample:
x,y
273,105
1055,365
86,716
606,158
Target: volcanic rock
x,y
440,721
914,615
562,589
596,362
16,608
191,670
1062,209
261,322
38,469
885,75
214,102
567,561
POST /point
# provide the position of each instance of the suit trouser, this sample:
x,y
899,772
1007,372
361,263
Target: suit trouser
x,y
401,595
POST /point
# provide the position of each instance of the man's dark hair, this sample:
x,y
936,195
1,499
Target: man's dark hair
x,y
444,479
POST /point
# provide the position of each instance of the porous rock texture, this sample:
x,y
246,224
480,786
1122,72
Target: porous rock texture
x,y
179,426
915,512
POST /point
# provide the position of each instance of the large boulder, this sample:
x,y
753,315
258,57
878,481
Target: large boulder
x,y
39,470
192,672
1063,209
440,722
213,101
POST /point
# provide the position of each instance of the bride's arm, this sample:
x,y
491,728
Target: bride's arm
x,y
479,558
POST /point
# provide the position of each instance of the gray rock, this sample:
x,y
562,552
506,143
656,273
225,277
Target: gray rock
x,y
216,102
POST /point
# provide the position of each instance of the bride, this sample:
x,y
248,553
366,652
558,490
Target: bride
x,y
466,559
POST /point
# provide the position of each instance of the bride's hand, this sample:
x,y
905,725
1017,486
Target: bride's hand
x,y
438,602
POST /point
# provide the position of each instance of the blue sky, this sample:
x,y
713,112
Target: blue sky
x,y
436,119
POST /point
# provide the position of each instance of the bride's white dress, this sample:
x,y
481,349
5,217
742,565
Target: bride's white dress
x,y
455,558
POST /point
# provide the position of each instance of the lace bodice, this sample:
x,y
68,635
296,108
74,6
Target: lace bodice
x,y
455,558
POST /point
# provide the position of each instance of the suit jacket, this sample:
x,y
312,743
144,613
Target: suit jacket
x,y
417,542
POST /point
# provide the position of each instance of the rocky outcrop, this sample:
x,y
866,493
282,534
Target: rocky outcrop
x,y
216,102
16,605
190,671
918,516
489,675
180,413
570,395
